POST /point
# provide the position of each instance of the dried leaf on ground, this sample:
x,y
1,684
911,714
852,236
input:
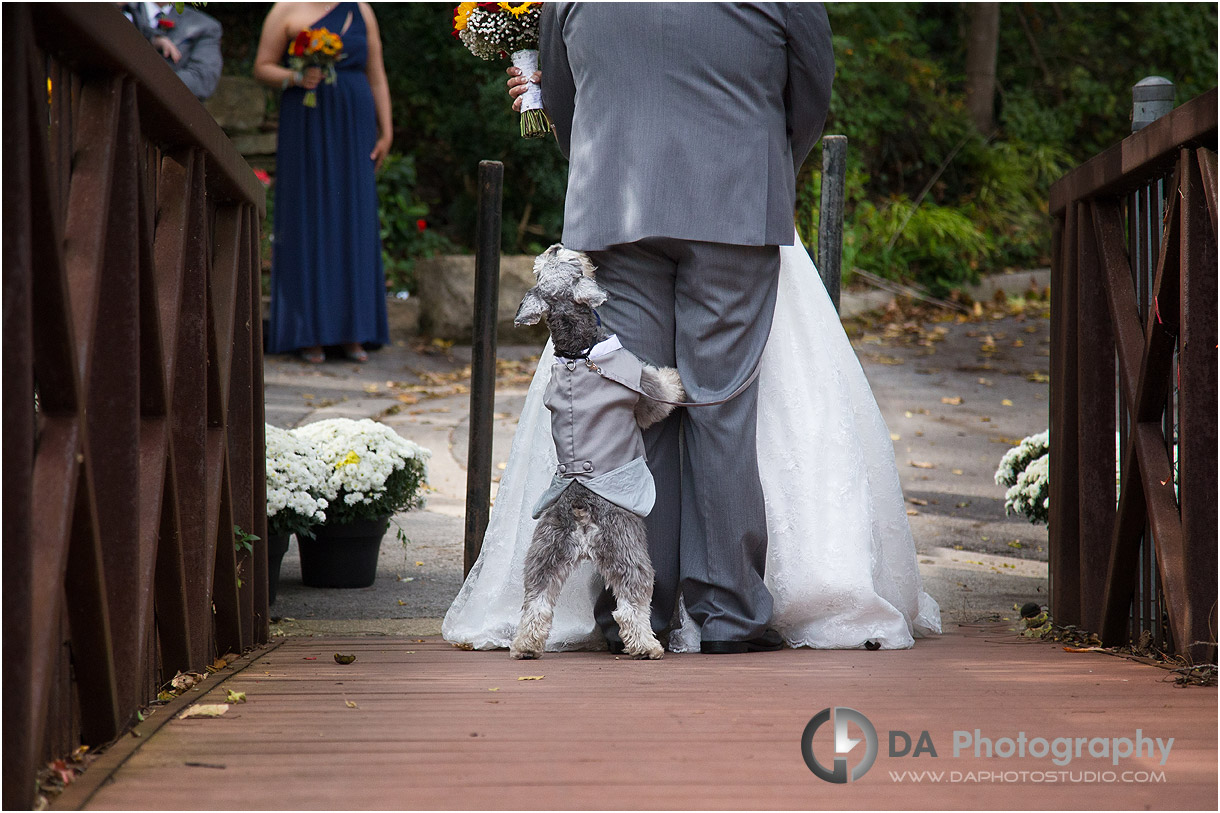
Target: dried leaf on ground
x,y
204,710
1006,402
954,400
351,704
916,501
344,659
919,464
236,697
532,677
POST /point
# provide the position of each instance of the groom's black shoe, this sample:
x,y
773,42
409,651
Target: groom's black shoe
x,y
769,641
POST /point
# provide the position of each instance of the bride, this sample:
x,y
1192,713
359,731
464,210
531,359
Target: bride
x,y
840,559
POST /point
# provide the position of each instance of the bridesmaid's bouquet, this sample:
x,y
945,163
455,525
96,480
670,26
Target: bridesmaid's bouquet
x,y
499,30
316,47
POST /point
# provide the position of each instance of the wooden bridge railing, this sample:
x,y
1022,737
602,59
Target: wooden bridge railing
x,y
133,400
1133,387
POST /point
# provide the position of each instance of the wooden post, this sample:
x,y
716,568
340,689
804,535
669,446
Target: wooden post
x,y
830,214
483,358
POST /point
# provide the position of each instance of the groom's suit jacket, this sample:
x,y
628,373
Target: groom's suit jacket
x,y
684,120
197,36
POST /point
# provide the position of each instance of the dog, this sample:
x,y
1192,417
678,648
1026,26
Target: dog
x,y
600,397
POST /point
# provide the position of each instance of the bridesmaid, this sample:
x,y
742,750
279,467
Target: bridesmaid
x,y
327,281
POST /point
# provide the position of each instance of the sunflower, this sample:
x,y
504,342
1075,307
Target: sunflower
x,y
517,11
460,13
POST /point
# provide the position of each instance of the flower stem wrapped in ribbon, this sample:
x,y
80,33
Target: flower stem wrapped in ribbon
x,y
316,47
499,30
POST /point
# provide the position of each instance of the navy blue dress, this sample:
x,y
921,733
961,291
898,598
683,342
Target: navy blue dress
x,y
327,282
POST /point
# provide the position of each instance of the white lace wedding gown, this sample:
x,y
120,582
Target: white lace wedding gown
x,y
840,558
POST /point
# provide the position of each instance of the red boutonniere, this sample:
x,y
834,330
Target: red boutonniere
x,y
165,23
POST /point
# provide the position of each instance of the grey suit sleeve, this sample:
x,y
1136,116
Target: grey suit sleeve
x,y
811,70
558,85
201,61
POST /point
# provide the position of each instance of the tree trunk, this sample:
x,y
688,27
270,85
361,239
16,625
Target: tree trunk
x,y
981,46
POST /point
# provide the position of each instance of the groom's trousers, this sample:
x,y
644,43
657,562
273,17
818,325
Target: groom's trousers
x,y
706,309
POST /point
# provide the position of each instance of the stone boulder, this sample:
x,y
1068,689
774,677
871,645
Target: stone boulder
x,y
239,104
446,298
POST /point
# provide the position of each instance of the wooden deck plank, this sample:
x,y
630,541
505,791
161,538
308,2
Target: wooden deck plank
x,y
687,732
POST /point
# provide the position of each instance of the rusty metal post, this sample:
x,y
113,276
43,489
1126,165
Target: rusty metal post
x,y
483,358
830,214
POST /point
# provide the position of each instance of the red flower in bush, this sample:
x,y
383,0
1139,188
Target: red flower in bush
x,y
421,224
263,177
300,44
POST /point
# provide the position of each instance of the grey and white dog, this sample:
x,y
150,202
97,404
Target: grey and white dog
x,y
600,396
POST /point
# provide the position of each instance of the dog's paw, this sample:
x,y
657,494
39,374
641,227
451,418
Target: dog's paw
x,y
651,654
524,654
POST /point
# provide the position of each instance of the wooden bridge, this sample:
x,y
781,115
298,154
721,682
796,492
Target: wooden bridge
x,y
133,420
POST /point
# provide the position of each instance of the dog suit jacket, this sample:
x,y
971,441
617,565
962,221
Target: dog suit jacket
x,y
597,440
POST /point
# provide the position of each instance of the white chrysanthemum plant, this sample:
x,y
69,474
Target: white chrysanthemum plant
x,y
295,481
1025,469
371,471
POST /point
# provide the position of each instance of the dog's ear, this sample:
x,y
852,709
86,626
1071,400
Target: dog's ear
x,y
588,292
533,308
545,258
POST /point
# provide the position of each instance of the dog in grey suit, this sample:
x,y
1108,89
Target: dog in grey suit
x,y
600,397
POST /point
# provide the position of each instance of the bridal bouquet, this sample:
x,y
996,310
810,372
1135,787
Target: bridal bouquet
x,y
295,481
371,471
492,30
316,47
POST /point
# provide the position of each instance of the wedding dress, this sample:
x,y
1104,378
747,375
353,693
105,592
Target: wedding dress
x,y
840,558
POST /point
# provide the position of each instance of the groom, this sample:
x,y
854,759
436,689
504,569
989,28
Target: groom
x,y
684,125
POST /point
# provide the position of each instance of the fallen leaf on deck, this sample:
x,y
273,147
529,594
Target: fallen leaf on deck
x,y
236,697
496,689
310,659
958,471
532,677
204,710
916,501
951,400
344,659
402,603
351,704
1006,402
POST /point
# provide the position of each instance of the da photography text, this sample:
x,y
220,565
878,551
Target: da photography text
x,y
856,745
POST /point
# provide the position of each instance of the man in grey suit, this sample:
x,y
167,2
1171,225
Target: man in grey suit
x,y
684,125
189,39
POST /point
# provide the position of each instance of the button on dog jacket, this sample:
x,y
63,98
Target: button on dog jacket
x,y
597,440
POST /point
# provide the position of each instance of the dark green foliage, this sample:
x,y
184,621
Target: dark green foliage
x,y
928,198
406,231
1064,76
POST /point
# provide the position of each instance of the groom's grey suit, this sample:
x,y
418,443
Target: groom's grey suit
x,y
684,125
